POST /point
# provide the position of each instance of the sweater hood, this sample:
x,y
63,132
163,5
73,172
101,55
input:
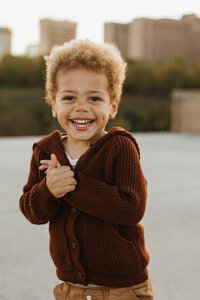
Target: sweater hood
x,y
52,143
113,132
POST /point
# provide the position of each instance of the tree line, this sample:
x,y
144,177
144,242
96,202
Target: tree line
x,y
143,77
145,104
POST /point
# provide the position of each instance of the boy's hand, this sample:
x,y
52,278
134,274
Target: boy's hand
x,y
60,179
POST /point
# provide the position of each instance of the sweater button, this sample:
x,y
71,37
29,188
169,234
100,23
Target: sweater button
x,y
80,275
73,210
74,245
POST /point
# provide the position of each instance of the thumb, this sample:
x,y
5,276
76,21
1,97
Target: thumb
x,y
57,162
53,162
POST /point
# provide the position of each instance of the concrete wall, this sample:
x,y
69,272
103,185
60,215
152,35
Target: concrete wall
x,y
185,111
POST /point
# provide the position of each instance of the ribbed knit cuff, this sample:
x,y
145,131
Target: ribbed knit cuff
x,y
46,195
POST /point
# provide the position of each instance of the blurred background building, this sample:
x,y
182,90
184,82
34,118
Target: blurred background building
x,y
55,33
157,40
5,41
185,111
119,34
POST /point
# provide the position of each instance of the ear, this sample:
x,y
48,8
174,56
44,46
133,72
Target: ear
x,y
113,109
53,109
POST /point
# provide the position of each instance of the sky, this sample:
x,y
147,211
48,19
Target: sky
x,y
22,16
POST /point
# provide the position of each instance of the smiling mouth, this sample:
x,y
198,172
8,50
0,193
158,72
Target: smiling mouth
x,y
82,123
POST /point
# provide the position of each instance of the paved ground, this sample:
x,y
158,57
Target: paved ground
x,y
171,164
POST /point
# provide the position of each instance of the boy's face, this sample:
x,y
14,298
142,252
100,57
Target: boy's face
x,y
82,105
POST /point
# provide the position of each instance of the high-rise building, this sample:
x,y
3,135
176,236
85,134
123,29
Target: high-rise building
x,y
117,34
161,40
55,33
5,41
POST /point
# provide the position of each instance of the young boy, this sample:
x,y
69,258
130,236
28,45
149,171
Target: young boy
x,y
88,183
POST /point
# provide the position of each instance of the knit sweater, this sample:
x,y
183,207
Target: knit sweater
x,y
95,235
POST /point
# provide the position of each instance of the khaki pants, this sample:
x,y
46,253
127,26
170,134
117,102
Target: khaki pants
x,y
142,291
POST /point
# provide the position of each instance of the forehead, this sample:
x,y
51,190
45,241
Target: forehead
x,y
77,78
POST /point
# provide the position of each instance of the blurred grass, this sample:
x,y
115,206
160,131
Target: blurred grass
x,y
24,112
143,113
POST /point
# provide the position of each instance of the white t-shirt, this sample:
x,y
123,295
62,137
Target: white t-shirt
x,y
73,162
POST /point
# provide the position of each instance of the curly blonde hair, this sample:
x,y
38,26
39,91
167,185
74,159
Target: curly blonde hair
x,y
86,54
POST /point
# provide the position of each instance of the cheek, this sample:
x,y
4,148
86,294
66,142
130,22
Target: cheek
x,y
103,115
62,115
62,109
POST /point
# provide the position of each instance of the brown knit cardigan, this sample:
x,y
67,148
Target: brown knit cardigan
x,y
95,235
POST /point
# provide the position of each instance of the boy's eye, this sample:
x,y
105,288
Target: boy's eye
x,y
68,98
95,98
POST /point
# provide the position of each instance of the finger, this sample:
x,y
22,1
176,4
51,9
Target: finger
x,y
67,173
64,182
66,168
58,164
71,188
62,192
43,167
69,181
45,161
44,164
53,161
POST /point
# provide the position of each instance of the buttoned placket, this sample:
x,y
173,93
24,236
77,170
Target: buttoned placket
x,y
80,274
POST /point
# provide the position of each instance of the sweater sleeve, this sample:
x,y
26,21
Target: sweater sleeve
x,y
37,204
123,203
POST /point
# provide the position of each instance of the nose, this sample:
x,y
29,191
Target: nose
x,y
81,105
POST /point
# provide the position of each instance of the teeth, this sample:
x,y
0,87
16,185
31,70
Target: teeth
x,y
82,121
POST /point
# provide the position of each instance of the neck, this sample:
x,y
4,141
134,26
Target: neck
x,y
75,149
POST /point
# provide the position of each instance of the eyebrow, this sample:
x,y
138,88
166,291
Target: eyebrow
x,y
64,91
87,92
